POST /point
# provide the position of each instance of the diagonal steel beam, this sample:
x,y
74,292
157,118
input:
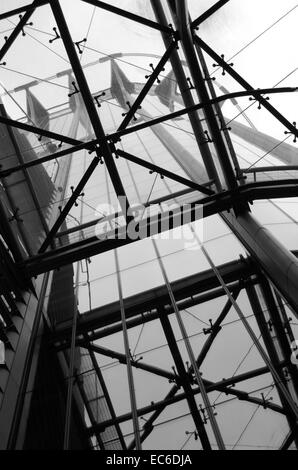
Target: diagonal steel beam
x,y
37,130
48,158
181,396
117,135
256,93
158,69
107,396
123,360
208,13
70,203
27,8
164,172
289,439
104,150
19,27
185,379
216,329
130,16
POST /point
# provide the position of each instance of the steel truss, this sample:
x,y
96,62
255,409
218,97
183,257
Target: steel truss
x,y
263,280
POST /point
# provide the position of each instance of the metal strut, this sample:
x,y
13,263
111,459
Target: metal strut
x,y
192,358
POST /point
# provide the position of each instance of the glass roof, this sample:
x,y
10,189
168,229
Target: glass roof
x,y
35,85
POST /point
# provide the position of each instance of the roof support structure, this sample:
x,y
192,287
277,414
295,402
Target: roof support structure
x,y
246,85
181,396
104,149
206,15
130,16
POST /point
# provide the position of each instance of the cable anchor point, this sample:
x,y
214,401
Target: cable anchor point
x,y
78,45
56,37
27,24
80,195
129,106
295,134
222,65
75,88
258,100
97,99
153,69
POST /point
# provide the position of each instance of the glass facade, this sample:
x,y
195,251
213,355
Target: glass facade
x,y
146,278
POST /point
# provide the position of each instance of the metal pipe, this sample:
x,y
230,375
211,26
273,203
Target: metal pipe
x,y
284,392
104,150
187,98
280,265
181,17
191,355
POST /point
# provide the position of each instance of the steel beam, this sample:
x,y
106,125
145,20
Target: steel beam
x,y
209,13
68,206
123,360
175,399
247,86
184,379
130,16
281,269
154,75
162,171
104,149
38,131
107,396
192,288
181,16
219,203
18,28
115,136
26,8
272,352
187,97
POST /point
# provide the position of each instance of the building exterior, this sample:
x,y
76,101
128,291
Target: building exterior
x,y
148,228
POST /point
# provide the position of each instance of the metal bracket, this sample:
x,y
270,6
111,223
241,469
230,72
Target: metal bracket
x,y
96,98
295,135
27,24
265,401
56,37
80,195
223,70
78,44
129,105
258,101
76,90
148,76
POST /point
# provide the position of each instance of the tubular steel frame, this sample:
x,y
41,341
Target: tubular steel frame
x,y
250,275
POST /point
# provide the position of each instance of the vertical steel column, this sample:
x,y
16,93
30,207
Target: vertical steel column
x,y
107,396
71,368
283,390
170,337
271,350
181,17
219,112
187,98
279,329
200,382
132,392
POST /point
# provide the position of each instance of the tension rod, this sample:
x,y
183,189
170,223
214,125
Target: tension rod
x,y
283,390
200,382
